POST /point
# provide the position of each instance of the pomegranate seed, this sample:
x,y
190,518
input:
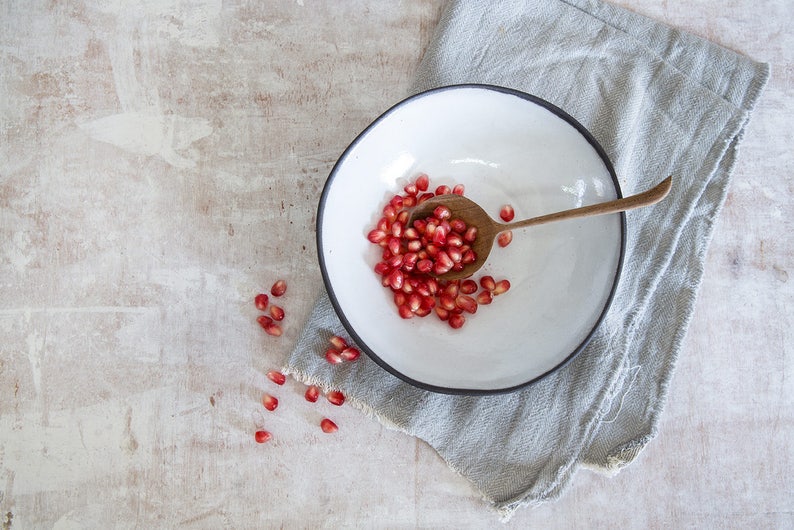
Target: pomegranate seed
x,y
350,354
262,436
405,312
279,288
501,287
276,312
485,297
376,236
409,201
487,282
471,234
338,342
422,182
312,393
411,189
273,329
333,356
459,189
456,321
507,213
390,213
264,321
443,190
269,402
382,268
276,377
396,279
467,303
260,301
328,426
423,197
505,238
335,397
468,287
442,313
442,212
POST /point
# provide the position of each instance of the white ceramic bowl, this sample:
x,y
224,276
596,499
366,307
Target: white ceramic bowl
x,y
506,147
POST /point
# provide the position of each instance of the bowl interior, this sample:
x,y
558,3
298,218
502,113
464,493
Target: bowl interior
x,y
506,148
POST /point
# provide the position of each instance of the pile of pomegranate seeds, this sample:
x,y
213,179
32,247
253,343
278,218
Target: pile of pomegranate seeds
x,y
261,301
437,244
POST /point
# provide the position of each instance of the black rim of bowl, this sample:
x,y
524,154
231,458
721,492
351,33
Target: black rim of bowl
x,y
340,312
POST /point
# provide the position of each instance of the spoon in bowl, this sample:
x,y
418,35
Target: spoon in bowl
x,y
488,229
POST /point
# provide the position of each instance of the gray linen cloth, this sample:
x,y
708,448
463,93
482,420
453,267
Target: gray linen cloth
x,y
660,102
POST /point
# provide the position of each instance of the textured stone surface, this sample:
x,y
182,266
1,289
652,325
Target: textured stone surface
x,y
160,163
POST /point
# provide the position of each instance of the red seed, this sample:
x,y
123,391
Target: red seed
x,y
501,287
487,282
273,329
335,397
269,402
441,212
260,301
411,189
468,287
350,354
262,436
264,321
338,342
312,393
467,303
456,321
333,356
470,234
328,426
507,213
279,288
443,190
376,236
405,312
505,238
485,297
276,312
276,377
459,189
422,182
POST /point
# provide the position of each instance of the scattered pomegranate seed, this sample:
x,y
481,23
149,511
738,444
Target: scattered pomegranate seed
x,y
279,288
338,342
507,213
487,282
335,397
468,287
276,377
328,426
260,301
422,182
276,312
501,287
458,189
312,393
272,329
505,238
350,354
456,321
264,321
485,297
262,436
333,356
269,402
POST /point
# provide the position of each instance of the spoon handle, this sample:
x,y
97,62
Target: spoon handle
x,y
646,198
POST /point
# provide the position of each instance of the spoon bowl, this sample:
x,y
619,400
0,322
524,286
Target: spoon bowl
x,y
488,229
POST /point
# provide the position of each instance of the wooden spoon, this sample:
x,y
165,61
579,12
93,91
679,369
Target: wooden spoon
x,y
488,229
